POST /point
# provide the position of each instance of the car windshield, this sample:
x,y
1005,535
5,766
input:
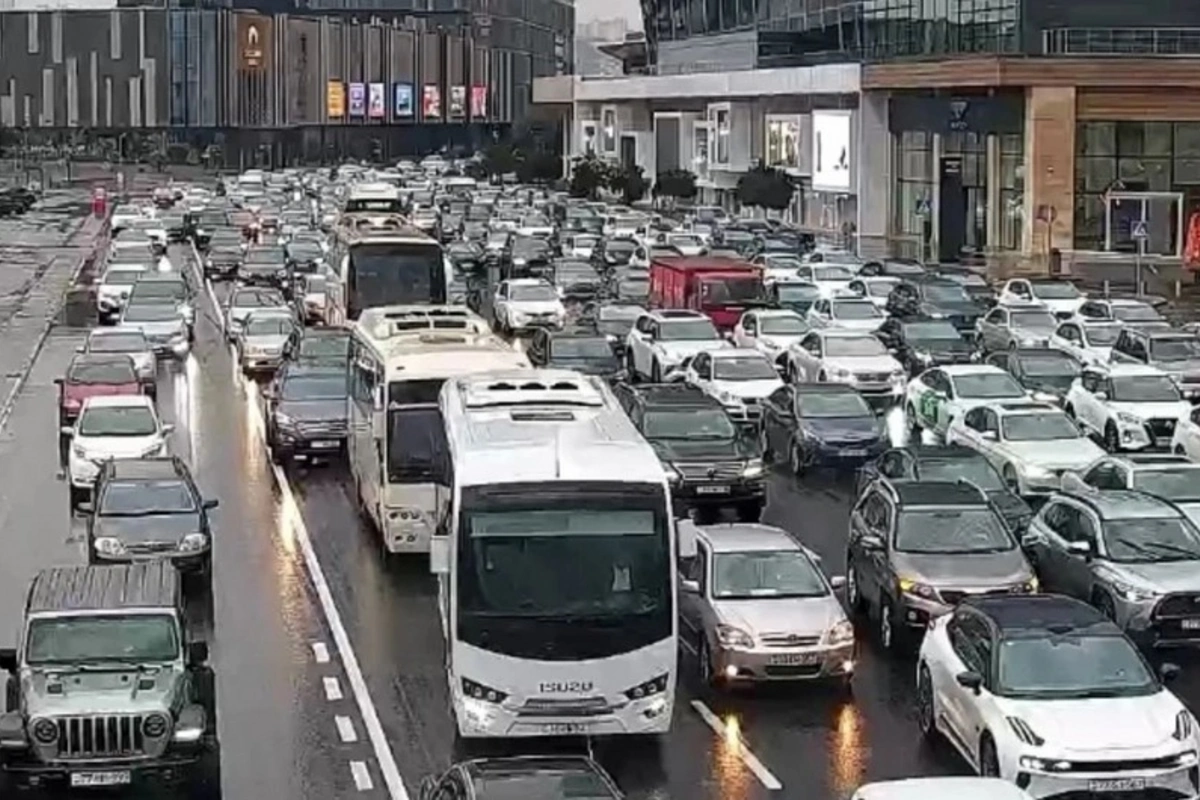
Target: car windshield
x,y
1179,484
831,273
855,309
1136,313
758,574
1042,427
827,405
584,241
686,330
782,326
1101,335
315,387
974,469
1144,389
796,292
1033,320
1048,365
117,343
110,370
257,300
879,287
946,293
305,252
162,290
533,294
142,498
988,385
1142,539
137,638
688,424
951,531
118,421
854,346
122,277
620,247
1072,666
584,347
1175,349
268,326
931,332
743,368
150,312
1055,291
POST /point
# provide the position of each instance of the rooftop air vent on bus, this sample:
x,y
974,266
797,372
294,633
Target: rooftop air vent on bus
x,y
542,416
532,392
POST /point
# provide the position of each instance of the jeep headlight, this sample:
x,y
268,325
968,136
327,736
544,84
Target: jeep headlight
x,y
753,469
1133,594
44,731
193,543
108,546
155,726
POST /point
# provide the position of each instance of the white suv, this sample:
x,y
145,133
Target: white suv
x,y
1131,406
521,304
112,427
660,341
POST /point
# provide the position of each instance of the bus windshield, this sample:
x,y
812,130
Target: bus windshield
x,y
417,449
395,273
381,205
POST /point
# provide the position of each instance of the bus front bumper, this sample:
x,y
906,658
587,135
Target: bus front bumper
x,y
479,719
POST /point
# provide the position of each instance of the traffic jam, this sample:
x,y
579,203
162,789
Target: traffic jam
x,y
597,501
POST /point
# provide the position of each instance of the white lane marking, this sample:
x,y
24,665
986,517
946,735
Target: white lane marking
x,y
333,689
362,776
341,639
320,652
346,731
735,740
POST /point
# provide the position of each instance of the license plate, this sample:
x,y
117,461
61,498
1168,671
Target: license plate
x,y
325,444
854,453
793,659
121,778
1190,624
712,490
564,728
1117,785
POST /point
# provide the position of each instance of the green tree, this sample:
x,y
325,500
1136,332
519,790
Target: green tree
x,y
538,166
679,184
766,187
588,176
629,182
500,159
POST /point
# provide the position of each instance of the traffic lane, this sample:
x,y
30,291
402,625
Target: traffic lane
x,y
272,652
389,606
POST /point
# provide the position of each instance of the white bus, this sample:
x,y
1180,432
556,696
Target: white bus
x,y
379,197
400,356
555,563
380,260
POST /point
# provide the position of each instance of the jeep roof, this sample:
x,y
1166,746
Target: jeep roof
x,y
936,493
672,394
150,584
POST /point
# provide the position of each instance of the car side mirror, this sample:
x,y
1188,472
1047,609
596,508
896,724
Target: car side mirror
x,y
8,659
838,581
1080,549
970,680
58,381
210,504
197,653
1168,672
1102,396
67,430
428,784
1030,539
871,541
168,428
85,506
689,586
989,435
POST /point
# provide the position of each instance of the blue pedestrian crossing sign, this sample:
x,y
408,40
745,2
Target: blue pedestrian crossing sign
x,y
1138,229
923,207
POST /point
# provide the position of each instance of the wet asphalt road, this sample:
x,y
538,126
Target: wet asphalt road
x,y
278,720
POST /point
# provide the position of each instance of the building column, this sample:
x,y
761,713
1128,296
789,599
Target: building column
x,y
1050,170
874,179
994,179
931,248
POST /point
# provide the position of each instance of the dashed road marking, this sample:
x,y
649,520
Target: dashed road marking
x,y
734,739
320,652
362,776
346,731
333,689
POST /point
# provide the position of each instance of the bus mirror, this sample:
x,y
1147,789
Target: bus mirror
x,y
439,555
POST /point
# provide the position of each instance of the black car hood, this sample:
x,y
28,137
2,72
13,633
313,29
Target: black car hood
x,y
938,347
1016,512
962,309
1050,384
588,366
844,429
156,528
671,450
314,410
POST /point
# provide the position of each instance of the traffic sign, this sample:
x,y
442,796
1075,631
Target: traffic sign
x,y
923,207
1138,230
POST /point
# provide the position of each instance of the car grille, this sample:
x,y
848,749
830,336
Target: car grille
x,y
793,671
1175,606
151,547
872,377
101,736
330,429
788,640
1161,428
724,471
953,597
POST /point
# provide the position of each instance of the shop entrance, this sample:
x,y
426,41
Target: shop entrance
x,y
1159,213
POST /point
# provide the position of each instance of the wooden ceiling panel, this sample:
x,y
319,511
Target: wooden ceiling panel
x,y
1176,73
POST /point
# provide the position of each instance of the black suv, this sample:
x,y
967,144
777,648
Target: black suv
x,y
583,348
937,299
710,463
150,508
306,411
920,343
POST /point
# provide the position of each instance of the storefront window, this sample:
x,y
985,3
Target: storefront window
x,y
783,142
720,129
914,192
610,130
1012,191
972,148
700,147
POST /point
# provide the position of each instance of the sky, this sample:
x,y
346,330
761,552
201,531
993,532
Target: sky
x,y
588,10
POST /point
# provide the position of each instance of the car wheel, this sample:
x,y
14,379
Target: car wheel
x,y
1112,439
764,444
708,675
989,765
854,598
1012,345
797,460
925,708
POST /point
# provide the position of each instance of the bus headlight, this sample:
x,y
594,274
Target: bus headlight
x,y
648,689
477,691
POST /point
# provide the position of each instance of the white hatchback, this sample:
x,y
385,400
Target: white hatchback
x,y
112,427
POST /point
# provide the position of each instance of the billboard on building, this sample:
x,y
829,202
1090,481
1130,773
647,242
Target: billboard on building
x,y
479,101
335,99
458,102
358,99
431,102
376,101
253,42
832,151
403,98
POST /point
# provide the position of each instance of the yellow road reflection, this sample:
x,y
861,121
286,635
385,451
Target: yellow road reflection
x,y
847,751
729,772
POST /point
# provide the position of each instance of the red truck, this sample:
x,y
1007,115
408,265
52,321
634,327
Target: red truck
x,y
722,288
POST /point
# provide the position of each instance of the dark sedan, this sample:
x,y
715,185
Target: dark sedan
x,y
586,351
327,347
306,412
1047,374
921,344
820,424
265,265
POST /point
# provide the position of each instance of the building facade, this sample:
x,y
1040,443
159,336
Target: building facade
x,y
283,86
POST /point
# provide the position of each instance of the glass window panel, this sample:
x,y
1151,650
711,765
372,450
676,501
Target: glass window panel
x,y
1012,144
1158,139
1089,222
1187,170
916,140
1012,218
1131,138
1095,174
1145,174
745,13
914,165
1012,171
1096,139
728,14
1187,138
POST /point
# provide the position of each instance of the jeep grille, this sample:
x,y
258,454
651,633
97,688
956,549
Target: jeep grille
x,y
108,735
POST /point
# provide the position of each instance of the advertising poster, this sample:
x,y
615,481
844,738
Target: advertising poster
x,y
254,36
458,101
403,99
431,105
479,101
335,99
358,99
376,102
831,151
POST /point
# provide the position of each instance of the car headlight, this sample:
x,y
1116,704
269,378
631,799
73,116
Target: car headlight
x,y
1031,341
520,262
159,449
1045,397
838,373
1044,764
924,357
841,633
753,469
283,420
1038,473
729,399
44,731
1133,594
735,638
108,546
79,451
155,726
909,586
1125,418
193,543
1185,726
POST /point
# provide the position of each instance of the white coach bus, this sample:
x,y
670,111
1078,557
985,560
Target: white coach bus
x,y
555,563
399,358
